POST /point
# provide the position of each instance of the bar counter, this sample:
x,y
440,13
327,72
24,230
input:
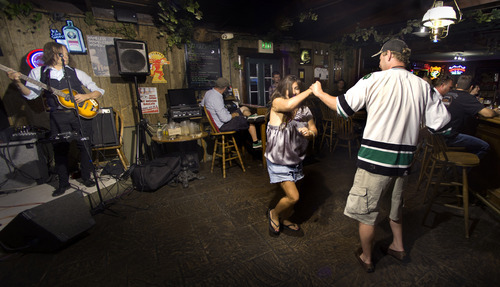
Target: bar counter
x,y
488,174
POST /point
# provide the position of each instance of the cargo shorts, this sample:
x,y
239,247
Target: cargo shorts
x,y
363,202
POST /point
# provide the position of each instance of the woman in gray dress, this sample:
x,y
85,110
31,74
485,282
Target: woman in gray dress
x,y
291,125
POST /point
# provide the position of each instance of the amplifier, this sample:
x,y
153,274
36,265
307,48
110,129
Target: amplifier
x,y
185,112
22,162
28,133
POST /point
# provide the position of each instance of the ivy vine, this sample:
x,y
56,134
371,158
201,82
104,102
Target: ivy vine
x,y
22,12
362,35
126,30
481,17
176,20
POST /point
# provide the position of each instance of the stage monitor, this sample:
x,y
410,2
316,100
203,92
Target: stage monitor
x,y
181,97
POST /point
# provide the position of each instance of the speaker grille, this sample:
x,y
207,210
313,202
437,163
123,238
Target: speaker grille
x,y
133,60
132,57
104,129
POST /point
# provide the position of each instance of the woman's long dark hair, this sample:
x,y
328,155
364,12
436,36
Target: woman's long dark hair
x,y
281,91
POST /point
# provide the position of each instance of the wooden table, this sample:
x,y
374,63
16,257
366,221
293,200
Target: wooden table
x,y
179,139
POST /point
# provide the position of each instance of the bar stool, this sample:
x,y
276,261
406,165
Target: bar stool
x,y
447,161
225,146
327,120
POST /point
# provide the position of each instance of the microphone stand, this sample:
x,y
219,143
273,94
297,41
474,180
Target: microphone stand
x,y
101,206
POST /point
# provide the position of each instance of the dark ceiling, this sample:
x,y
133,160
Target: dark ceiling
x,y
335,19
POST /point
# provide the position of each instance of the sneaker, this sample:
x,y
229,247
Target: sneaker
x,y
257,144
255,116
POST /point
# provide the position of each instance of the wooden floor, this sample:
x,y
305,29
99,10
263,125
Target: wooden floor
x,y
215,233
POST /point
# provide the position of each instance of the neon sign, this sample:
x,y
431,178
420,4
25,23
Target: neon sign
x,y
34,58
71,37
457,69
435,72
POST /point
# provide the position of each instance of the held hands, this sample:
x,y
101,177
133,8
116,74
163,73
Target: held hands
x,y
316,88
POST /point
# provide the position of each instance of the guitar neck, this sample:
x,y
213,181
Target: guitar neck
x,y
35,82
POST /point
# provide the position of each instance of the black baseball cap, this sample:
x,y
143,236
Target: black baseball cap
x,y
395,45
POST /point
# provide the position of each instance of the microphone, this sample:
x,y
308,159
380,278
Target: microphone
x,y
61,55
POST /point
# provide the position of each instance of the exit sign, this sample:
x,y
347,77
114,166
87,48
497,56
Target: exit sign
x,y
265,47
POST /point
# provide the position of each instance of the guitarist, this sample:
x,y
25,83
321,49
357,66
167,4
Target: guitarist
x,y
63,119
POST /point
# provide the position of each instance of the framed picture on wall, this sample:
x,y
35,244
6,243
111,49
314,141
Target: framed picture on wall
x,y
305,57
302,75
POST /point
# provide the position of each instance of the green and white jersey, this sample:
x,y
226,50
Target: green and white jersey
x,y
396,102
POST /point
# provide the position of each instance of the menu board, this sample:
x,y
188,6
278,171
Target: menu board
x,y
203,64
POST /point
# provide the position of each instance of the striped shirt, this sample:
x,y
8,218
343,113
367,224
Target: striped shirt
x,y
396,102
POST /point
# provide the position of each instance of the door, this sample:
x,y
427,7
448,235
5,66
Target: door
x,y
259,79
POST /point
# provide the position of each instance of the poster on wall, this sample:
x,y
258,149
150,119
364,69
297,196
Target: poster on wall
x,y
149,100
157,60
103,56
305,57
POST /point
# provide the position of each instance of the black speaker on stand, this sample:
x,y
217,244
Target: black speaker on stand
x,y
133,61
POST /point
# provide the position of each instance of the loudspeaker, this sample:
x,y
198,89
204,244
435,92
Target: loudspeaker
x,y
104,129
124,15
48,227
22,162
132,57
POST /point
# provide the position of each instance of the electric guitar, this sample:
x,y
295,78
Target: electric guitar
x,y
87,109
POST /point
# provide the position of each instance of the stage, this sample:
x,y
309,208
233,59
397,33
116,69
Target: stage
x,y
19,195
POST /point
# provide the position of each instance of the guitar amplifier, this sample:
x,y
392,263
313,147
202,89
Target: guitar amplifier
x,y
23,162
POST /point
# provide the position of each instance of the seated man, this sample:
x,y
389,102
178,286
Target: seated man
x,y
442,86
462,108
224,119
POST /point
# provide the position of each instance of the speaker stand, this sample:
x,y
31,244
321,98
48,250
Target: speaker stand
x,y
143,151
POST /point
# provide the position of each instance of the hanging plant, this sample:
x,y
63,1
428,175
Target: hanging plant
x,y
176,21
481,17
22,12
363,35
126,30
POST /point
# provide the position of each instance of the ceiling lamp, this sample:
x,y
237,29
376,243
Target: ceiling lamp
x,y
439,18
459,57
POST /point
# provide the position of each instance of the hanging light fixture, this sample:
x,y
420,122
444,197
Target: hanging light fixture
x,y
439,18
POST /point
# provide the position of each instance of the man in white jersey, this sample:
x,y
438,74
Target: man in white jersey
x,y
396,102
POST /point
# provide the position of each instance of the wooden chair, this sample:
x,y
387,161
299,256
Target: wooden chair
x,y
118,147
344,131
225,146
448,162
328,118
422,155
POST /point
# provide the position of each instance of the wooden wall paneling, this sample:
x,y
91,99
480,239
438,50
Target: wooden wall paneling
x,y
20,41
